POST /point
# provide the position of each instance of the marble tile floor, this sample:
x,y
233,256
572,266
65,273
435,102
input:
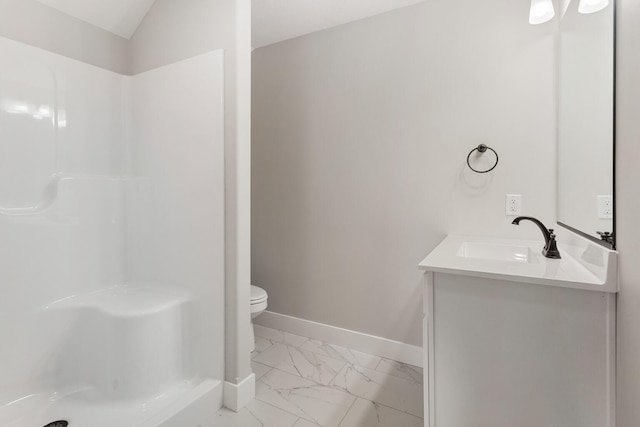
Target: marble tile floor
x,y
301,382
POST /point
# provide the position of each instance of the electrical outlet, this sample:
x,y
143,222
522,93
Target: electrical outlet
x,y
513,205
605,207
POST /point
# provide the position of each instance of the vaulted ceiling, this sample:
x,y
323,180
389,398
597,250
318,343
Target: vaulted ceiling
x,y
120,17
273,20
278,20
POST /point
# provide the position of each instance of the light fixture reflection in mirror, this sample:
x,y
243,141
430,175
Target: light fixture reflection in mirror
x,y
541,11
592,6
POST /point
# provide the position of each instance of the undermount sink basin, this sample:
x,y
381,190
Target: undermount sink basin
x,y
496,252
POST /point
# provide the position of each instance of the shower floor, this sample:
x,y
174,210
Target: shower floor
x,y
181,405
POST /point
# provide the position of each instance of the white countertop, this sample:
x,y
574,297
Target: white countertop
x,y
584,264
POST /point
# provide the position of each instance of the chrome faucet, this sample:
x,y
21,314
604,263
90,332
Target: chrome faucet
x,y
550,249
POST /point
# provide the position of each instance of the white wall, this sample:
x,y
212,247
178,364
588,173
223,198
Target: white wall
x,y
58,116
238,198
41,26
361,134
175,30
628,207
172,31
175,200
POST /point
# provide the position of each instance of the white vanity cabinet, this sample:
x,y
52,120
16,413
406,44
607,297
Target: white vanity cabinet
x,y
501,351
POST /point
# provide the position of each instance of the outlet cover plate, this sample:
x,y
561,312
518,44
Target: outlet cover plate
x,y
605,207
513,205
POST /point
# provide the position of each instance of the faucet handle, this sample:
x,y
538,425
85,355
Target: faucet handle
x,y
551,249
606,236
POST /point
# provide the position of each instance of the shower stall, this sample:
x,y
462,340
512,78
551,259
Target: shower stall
x,y
112,207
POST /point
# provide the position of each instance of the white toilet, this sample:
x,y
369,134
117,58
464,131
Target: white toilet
x,y
258,305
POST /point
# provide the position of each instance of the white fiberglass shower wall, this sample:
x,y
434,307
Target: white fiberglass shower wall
x,y
111,248
175,205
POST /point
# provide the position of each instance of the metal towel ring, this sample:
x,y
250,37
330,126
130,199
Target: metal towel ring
x,y
482,148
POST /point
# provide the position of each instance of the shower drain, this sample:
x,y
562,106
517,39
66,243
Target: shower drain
x,y
60,423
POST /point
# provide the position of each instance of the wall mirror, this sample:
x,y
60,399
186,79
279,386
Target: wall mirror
x,y
586,62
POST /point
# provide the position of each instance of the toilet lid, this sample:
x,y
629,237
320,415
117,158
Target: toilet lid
x,y
258,294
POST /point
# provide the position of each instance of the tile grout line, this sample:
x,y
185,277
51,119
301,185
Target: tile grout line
x,y
303,343
283,410
391,407
346,390
317,384
348,410
336,375
325,354
382,358
346,364
379,362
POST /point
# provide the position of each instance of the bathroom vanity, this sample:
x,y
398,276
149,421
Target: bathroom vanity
x,y
512,338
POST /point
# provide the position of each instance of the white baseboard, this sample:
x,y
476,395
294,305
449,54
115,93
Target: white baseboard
x,y
236,396
365,343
